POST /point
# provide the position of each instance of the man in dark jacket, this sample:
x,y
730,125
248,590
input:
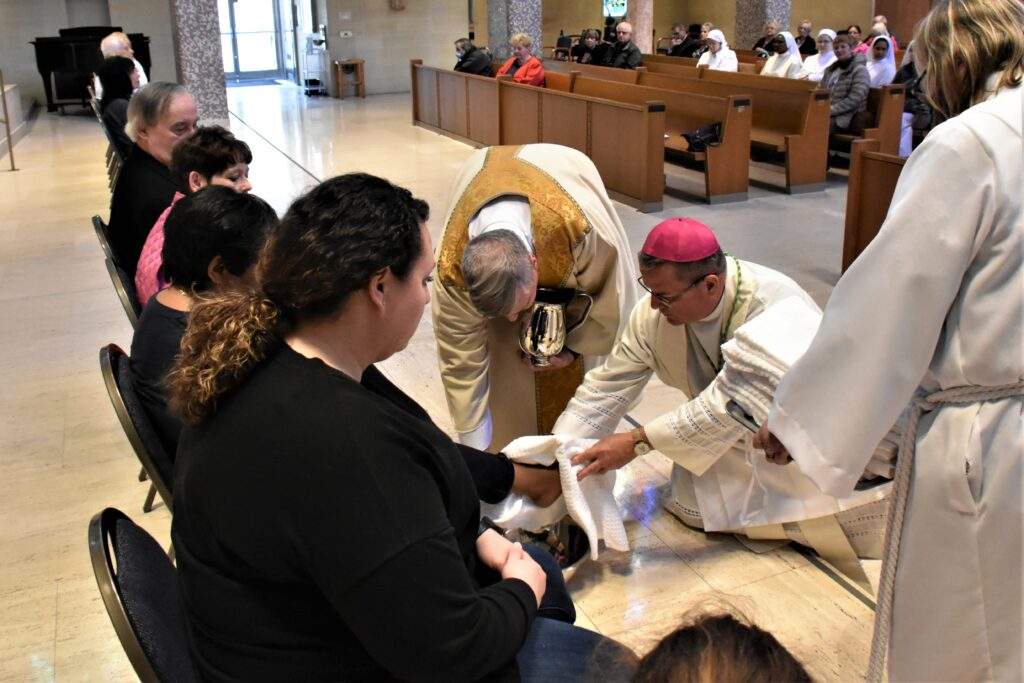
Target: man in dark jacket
x,y
625,54
848,79
472,60
685,43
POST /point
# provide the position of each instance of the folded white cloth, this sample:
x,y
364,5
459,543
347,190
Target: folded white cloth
x,y
590,503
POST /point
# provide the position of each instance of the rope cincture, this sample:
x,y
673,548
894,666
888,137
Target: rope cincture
x,y
964,395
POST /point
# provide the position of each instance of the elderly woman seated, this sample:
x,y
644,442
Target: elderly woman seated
x,y
120,79
848,79
212,238
325,528
522,66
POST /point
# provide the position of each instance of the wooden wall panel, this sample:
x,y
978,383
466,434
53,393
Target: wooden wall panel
x,y
426,91
564,121
452,109
620,170
483,111
520,109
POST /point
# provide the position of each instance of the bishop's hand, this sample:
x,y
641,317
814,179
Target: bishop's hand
x,y
774,450
610,453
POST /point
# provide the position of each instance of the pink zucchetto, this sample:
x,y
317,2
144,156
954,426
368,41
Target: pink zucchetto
x,y
681,240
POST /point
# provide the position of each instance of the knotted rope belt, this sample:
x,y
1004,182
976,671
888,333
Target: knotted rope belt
x,y
965,395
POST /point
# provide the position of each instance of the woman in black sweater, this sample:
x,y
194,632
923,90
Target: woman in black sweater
x,y
325,528
119,80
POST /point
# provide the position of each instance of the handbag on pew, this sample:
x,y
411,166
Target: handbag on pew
x,y
699,139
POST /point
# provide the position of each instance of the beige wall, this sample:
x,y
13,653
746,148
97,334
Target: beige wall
x,y
480,23
387,40
20,22
834,14
572,16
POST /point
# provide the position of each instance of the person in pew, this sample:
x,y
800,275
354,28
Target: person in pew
x,y
881,62
718,57
848,80
917,113
521,219
697,298
804,40
858,46
213,237
160,115
771,29
118,44
686,41
211,156
522,66
928,321
813,68
624,54
590,50
881,19
705,30
120,79
785,61
471,59
325,528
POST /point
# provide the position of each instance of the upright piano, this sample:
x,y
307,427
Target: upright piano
x,y
68,61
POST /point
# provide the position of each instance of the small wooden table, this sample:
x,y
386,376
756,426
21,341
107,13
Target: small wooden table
x,y
340,83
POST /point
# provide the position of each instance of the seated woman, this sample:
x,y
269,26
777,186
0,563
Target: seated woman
x,y
325,528
814,66
849,82
212,156
119,79
857,45
522,66
212,239
881,61
786,61
718,57
589,46
771,29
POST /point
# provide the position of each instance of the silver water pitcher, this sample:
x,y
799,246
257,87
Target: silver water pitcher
x,y
544,331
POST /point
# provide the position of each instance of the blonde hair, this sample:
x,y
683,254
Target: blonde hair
x,y
520,39
962,43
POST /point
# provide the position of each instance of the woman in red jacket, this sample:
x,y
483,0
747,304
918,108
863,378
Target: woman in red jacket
x,y
522,65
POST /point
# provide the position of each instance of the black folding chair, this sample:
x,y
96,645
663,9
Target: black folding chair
x,y
137,426
101,234
125,289
140,591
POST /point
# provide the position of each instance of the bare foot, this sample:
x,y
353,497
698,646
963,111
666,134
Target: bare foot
x,y
539,484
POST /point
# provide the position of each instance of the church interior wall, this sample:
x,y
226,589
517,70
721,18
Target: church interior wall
x,y
387,39
572,16
153,18
835,14
20,22
480,36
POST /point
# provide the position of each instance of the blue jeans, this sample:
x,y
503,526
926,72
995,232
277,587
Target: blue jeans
x,y
556,603
556,651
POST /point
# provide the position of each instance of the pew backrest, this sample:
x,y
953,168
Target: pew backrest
x,y
606,72
873,177
680,70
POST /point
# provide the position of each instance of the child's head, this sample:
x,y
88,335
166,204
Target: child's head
x,y
213,156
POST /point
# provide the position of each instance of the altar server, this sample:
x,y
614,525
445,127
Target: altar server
x,y
931,313
522,217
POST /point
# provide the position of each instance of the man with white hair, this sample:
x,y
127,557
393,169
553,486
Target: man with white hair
x,y
624,54
525,223
804,40
117,44
882,21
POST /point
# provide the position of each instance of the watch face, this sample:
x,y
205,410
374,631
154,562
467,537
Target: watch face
x,y
641,448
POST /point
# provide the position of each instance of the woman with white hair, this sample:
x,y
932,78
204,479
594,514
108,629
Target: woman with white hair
x,y
786,61
814,66
718,57
881,61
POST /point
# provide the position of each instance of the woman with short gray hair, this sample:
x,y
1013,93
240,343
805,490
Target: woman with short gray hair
x,y
159,116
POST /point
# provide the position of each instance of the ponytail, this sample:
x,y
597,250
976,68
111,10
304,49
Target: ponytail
x,y
227,337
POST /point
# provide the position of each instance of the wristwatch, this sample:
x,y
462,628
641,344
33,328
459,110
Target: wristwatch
x,y
641,446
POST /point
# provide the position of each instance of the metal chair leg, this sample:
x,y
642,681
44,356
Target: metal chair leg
x,y
148,505
142,474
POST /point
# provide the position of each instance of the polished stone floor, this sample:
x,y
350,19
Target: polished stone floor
x,y
63,456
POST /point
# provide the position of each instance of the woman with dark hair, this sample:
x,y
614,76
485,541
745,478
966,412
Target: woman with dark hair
x,y
119,80
211,241
937,294
857,45
325,528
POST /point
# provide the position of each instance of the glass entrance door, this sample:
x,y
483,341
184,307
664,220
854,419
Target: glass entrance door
x,y
249,39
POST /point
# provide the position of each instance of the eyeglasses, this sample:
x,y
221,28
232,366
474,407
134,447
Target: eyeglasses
x,y
669,300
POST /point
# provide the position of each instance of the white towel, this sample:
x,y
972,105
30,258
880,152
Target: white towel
x,y
590,502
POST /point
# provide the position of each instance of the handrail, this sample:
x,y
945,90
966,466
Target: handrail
x,y
7,121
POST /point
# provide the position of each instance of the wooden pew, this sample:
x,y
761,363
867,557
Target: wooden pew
x,y
790,117
606,72
668,69
885,116
597,127
486,111
726,164
873,176
559,81
665,59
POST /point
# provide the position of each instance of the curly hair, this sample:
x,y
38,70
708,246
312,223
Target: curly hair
x,y
329,244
